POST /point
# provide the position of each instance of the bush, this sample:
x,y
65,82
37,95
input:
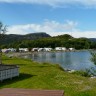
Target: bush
x,y
83,73
93,58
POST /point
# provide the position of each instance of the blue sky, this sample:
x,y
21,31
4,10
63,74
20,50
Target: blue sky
x,y
54,17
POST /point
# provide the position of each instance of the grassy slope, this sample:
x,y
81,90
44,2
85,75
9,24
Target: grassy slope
x,y
46,76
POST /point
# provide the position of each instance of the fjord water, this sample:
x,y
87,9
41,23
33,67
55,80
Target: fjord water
x,y
68,60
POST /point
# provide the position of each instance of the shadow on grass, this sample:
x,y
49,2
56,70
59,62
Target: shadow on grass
x,y
21,64
21,77
14,64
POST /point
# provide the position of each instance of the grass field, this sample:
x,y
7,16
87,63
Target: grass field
x,y
35,75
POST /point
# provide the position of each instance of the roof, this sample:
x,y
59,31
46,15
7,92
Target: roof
x,y
6,67
30,92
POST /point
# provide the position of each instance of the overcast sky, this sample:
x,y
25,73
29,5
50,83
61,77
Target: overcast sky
x,y
55,17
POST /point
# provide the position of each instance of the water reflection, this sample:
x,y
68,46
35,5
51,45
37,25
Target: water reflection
x,y
70,60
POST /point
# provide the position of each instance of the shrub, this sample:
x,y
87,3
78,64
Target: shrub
x,y
83,73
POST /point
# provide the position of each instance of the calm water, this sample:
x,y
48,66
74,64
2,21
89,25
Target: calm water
x,y
68,60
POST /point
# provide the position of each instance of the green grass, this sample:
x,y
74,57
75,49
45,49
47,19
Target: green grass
x,y
34,75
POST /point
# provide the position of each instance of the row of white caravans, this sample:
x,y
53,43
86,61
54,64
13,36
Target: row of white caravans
x,y
50,49
14,50
37,49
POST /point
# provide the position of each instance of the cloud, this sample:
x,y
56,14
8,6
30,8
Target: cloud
x,y
76,34
46,26
86,3
53,28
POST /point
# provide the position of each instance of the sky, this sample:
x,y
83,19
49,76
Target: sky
x,y
55,17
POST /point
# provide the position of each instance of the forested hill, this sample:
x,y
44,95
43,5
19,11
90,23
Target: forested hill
x,y
8,39
39,40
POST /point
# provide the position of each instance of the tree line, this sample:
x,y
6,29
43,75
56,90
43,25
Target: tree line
x,y
59,41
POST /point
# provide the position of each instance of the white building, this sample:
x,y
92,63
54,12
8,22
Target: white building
x,y
60,49
43,49
8,71
64,49
4,50
40,49
71,49
48,49
9,50
23,50
35,49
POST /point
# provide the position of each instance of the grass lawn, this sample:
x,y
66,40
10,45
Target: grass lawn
x,y
34,75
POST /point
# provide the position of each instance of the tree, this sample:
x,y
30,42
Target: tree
x,y
2,32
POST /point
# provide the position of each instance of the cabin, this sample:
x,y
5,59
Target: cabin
x,y
60,49
8,71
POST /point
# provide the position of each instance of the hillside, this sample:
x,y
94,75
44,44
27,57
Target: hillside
x,y
61,41
8,39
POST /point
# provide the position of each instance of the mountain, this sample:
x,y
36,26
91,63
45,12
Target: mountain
x,y
7,39
93,39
